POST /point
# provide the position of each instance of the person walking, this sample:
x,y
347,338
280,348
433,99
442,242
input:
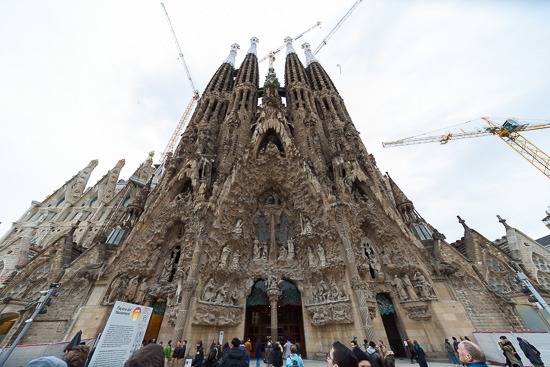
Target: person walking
x,y
211,360
374,358
532,353
248,348
410,347
508,351
199,357
258,352
390,359
471,354
167,354
235,357
451,350
277,355
286,352
294,360
268,349
420,356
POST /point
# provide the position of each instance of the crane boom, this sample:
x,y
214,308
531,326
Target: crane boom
x,y
509,132
272,53
187,113
338,25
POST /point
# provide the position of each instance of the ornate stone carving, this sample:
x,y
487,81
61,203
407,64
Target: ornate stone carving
x,y
417,310
219,295
217,315
334,313
426,290
323,294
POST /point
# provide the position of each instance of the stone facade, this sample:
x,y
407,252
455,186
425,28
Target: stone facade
x,y
273,211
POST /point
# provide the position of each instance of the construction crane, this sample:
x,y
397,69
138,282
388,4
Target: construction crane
x,y
508,132
331,33
187,113
271,55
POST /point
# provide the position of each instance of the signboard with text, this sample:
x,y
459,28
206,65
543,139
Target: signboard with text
x,y
122,335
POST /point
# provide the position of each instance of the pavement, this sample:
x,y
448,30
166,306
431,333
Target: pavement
x,y
398,363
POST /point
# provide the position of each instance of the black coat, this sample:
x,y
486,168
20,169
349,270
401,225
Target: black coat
x,y
199,357
212,363
532,354
375,359
234,358
276,357
182,352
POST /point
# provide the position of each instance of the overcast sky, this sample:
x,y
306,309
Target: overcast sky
x,y
83,80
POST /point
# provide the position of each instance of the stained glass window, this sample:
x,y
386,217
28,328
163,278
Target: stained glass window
x,y
472,284
385,305
494,265
283,230
290,295
541,263
262,230
498,284
259,296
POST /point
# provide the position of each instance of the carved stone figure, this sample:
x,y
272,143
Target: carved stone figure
x,y
208,294
426,289
132,288
235,263
322,258
221,294
306,227
290,244
410,289
167,267
386,259
264,251
401,291
224,256
238,229
256,249
282,252
311,258
115,289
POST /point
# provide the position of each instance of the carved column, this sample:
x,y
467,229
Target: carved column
x,y
273,294
273,250
357,284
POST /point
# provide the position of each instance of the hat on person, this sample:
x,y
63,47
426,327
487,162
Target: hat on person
x,y
354,342
503,337
50,361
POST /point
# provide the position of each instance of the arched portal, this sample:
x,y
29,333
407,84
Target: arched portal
x,y
391,324
290,324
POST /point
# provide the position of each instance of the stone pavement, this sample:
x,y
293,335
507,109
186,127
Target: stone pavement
x,y
398,363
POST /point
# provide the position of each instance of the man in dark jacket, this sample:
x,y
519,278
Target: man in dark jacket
x,y
507,342
199,357
181,355
374,358
235,356
532,353
175,353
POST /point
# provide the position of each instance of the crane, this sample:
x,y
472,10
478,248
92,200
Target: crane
x,y
187,113
331,33
509,132
271,55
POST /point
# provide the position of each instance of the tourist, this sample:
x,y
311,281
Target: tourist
x,y
532,353
452,353
77,357
286,353
420,356
277,355
294,360
234,357
360,355
199,357
509,343
268,349
509,353
175,353
365,344
341,356
151,355
248,348
471,354
374,358
167,353
211,360
298,348
410,347
225,350
181,354
382,349
390,359
258,352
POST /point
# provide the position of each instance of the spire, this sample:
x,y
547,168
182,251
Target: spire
x,y
252,49
503,221
398,195
309,55
289,48
230,59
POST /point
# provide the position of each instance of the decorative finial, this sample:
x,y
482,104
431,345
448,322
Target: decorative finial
x,y
152,153
289,48
309,55
231,57
252,49
503,221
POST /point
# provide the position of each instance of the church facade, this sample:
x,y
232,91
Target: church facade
x,y
271,219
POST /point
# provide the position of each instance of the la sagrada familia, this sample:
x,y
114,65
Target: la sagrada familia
x,y
270,219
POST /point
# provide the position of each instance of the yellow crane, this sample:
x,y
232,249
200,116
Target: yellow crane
x,y
187,113
508,132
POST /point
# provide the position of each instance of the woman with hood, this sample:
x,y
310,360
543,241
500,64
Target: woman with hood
x,y
390,359
420,356
374,358
509,352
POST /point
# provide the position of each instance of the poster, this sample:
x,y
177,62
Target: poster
x,y
122,335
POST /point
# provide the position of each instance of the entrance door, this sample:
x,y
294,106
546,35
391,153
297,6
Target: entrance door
x,y
290,323
155,322
391,324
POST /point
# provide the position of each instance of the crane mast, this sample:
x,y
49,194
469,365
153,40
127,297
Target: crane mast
x,y
508,132
187,113
338,25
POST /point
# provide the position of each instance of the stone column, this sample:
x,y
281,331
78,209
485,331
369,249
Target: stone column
x,y
273,294
273,248
188,287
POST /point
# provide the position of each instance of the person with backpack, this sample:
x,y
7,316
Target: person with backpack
x,y
258,352
294,360
277,355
